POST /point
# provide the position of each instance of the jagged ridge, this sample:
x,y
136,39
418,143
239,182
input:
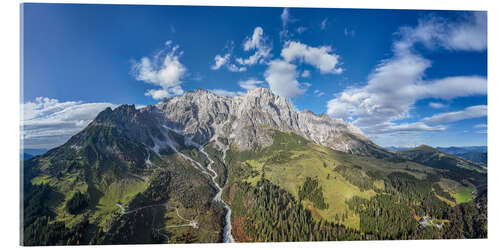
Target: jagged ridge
x,y
246,120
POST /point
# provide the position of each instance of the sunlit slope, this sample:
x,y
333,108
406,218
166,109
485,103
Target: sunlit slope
x,y
291,159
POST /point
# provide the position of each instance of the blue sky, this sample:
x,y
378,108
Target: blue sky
x,y
404,77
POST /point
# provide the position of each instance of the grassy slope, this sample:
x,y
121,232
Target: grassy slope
x,y
464,194
460,192
103,205
291,159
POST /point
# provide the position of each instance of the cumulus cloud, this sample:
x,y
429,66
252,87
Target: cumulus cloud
x,y
436,105
306,73
164,69
281,74
468,113
319,57
282,78
223,92
47,123
251,84
397,83
258,43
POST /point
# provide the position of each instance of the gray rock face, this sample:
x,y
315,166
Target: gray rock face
x,y
246,120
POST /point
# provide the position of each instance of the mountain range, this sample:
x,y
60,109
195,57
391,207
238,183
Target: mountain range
x,y
207,168
476,154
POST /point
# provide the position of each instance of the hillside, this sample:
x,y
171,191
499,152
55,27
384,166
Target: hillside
x,y
438,159
469,174
206,168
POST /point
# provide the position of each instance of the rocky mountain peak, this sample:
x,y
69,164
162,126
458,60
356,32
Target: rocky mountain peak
x,y
201,116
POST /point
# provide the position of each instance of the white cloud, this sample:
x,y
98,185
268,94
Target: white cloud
x,y
323,24
221,61
282,78
164,70
469,33
390,127
257,42
436,105
452,87
306,73
157,93
233,68
281,74
319,93
47,123
394,87
468,113
481,125
162,93
250,84
397,83
285,19
318,57
223,92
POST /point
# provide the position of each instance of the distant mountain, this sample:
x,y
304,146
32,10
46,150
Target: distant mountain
x,y
26,156
477,154
461,150
476,157
394,149
438,159
30,153
35,151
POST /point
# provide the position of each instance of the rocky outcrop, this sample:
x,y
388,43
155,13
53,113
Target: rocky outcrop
x,y
246,120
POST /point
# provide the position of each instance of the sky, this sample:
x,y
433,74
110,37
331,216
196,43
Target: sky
x,y
404,77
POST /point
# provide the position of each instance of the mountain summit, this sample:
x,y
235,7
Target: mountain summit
x,y
245,120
